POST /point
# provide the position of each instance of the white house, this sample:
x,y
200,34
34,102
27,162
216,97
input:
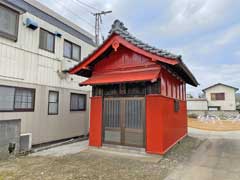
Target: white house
x,y
36,46
221,97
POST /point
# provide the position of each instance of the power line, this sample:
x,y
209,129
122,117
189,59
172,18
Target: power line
x,y
84,7
87,5
75,14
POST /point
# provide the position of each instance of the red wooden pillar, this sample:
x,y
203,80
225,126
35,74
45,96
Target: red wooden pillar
x,y
95,138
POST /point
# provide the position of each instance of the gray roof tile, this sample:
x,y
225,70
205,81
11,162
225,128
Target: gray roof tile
x,y
119,28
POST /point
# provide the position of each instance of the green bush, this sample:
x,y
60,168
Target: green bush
x,y
192,115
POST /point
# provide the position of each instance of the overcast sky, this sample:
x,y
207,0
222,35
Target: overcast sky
x,y
205,32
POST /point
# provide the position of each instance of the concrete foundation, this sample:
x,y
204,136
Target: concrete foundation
x,y
9,136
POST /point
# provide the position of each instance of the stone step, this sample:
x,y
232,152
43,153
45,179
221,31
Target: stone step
x,y
53,145
119,148
127,151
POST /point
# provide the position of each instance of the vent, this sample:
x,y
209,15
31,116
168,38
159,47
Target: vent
x,y
31,24
58,34
25,142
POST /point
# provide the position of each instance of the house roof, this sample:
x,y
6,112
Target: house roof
x,y
120,34
236,89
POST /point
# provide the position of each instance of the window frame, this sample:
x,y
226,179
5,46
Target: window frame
x,y
7,35
85,102
21,109
80,49
33,102
45,49
216,96
52,91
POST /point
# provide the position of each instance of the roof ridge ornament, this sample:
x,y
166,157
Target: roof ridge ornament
x,y
118,26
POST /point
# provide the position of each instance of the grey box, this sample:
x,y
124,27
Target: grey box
x,y
25,142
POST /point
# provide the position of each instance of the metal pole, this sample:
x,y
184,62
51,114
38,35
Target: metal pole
x,y
97,24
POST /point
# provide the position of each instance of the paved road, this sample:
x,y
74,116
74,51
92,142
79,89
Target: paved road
x,y
213,134
215,159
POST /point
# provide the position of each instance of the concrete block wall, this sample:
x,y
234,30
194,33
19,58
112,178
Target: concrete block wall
x,y
217,113
9,133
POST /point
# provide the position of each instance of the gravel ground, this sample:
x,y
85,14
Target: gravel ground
x,y
91,165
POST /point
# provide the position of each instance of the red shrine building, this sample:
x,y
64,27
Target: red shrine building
x,y
138,93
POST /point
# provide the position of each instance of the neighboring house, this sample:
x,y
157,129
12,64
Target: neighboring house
x,y
221,97
238,108
36,46
139,93
238,99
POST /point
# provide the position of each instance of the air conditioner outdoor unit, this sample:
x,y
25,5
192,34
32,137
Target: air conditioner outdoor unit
x,y
25,142
66,65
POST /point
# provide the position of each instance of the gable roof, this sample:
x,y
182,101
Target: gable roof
x,y
119,35
221,84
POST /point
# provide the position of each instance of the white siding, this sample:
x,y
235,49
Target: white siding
x,y
199,105
24,61
23,64
230,100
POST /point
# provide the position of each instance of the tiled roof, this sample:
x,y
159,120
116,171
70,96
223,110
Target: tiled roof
x,y
119,28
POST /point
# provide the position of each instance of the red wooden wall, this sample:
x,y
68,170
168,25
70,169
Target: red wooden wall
x,y
171,86
95,135
164,127
124,60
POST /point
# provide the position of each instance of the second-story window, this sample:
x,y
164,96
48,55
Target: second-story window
x,y
8,23
47,40
71,51
217,96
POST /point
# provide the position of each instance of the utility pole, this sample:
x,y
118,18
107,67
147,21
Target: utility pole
x,y
98,21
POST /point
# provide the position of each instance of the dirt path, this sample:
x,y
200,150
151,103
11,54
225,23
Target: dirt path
x,y
215,159
220,125
91,165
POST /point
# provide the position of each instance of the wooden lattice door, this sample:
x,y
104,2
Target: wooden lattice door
x,y
124,121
